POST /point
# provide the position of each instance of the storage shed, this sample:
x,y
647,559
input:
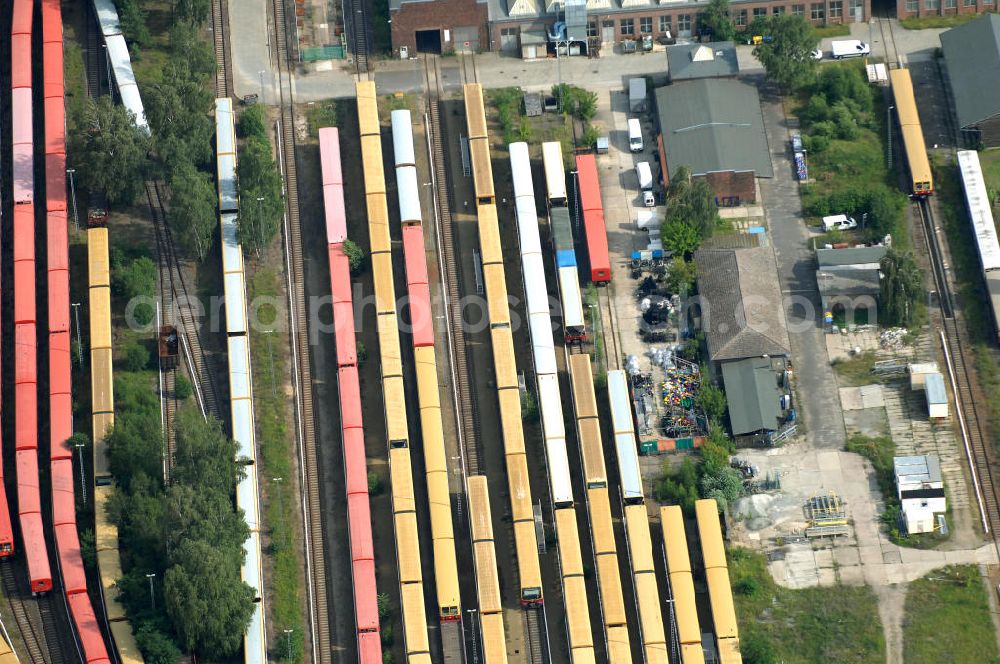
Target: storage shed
x,y
920,489
937,396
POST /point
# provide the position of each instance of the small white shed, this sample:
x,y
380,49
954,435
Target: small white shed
x,y
937,396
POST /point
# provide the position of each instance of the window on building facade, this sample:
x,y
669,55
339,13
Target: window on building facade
x,y
968,3
684,23
912,5
836,8
592,29
646,24
817,11
856,7
759,11
987,2
950,4
777,10
799,10
741,17
665,24
932,4
627,26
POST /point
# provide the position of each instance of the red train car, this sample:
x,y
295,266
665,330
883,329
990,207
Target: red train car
x,y
88,629
355,464
593,218
421,318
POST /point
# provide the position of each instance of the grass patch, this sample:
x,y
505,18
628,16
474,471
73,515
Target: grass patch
x,y
833,30
925,22
381,30
970,287
990,161
276,451
856,370
509,107
950,601
832,624
322,114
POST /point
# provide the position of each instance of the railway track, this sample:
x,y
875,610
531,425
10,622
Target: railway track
x,y
359,36
95,54
179,311
36,619
888,41
302,376
222,79
955,344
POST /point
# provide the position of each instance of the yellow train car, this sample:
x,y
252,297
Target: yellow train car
x,y
443,539
601,528
721,597
389,353
712,549
102,389
475,111
401,480
487,581
503,358
619,644
494,640
729,652
7,655
510,421
519,488
529,569
610,586
498,307
98,262
480,512
368,121
570,556
577,616
435,457
490,251
921,178
395,410
647,592
679,571
385,296
378,223
407,547
692,653
595,473
479,149
428,393
415,620
582,377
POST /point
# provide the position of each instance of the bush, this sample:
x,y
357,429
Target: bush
x,y
135,356
355,256
253,122
182,388
748,586
155,645
374,484
529,407
575,101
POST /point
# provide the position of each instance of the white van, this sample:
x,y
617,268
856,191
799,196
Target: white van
x,y
634,135
839,222
849,48
645,175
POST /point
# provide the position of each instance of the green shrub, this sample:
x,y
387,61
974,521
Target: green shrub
x,y
135,356
374,484
182,387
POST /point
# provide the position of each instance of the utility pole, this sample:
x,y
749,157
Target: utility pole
x,y
72,189
83,483
288,640
152,597
79,343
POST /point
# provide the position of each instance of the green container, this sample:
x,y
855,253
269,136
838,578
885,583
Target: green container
x,y
647,447
685,443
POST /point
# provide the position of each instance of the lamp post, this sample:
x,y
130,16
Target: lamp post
x,y
152,597
260,75
288,640
72,190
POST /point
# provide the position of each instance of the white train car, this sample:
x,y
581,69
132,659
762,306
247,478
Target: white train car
x,y
240,374
119,61
555,173
406,168
977,201
540,327
574,324
625,445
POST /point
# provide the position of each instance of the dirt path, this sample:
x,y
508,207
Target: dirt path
x,y
891,610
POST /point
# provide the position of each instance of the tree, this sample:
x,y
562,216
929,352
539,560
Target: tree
x,y
355,256
723,484
902,288
187,45
177,109
787,57
192,209
575,101
156,647
193,11
680,237
204,457
712,400
885,209
113,149
253,122
133,22
260,192
758,649
208,603
135,355
718,20
681,275
692,202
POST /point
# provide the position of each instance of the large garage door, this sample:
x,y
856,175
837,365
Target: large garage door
x,y
509,41
466,39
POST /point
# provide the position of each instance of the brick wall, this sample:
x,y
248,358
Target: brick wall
x,y
911,8
737,185
438,15
827,11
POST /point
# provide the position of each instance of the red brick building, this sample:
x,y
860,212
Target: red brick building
x,y
908,8
439,26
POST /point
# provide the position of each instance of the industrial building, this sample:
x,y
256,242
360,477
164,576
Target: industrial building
x,y
850,278
715,128
972,59
712,60
920,490
595,25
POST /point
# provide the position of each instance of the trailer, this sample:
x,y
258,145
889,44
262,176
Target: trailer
x,y
637,94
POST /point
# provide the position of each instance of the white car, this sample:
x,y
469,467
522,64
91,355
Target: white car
x,y
817,54
838,222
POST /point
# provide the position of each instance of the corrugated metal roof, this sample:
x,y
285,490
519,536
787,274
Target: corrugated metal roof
x,y
850,256
972,54
934,386
713,125
911,469
711,60
727,280
752,394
